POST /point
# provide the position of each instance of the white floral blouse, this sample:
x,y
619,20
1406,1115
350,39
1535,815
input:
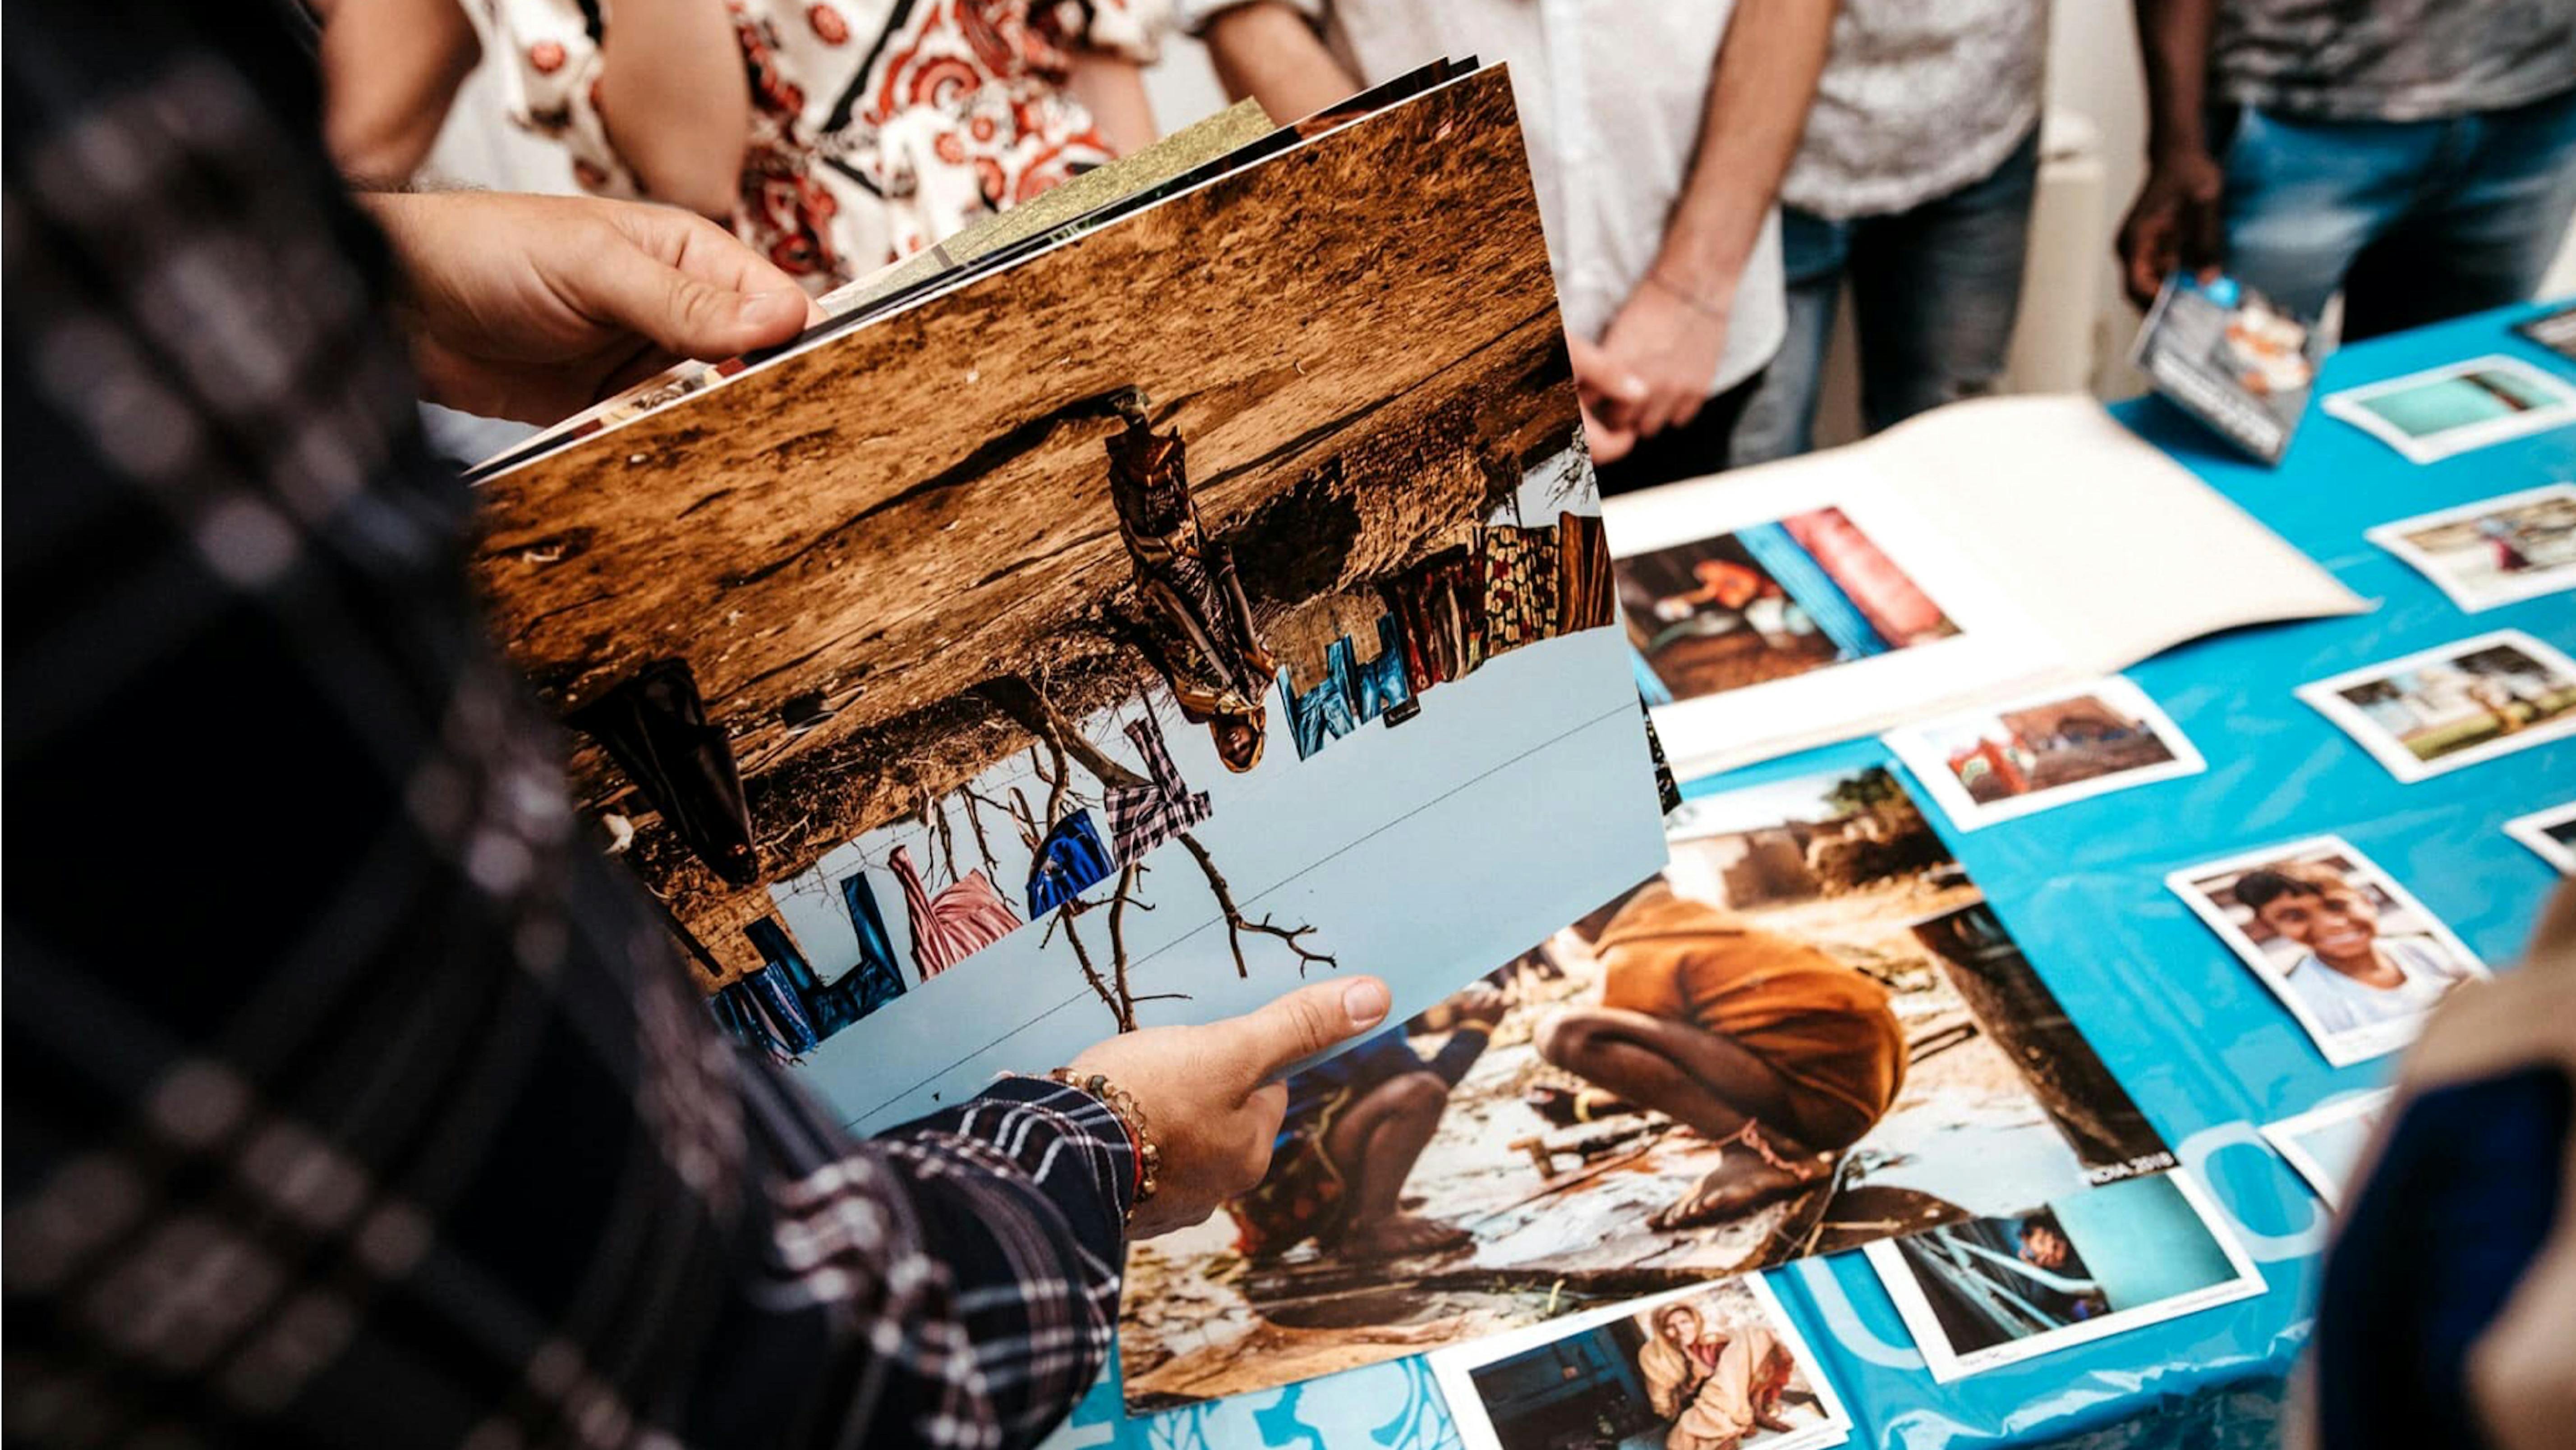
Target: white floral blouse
x,y
878,126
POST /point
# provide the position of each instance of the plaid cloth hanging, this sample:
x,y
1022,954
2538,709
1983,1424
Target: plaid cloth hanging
x,y
1142,817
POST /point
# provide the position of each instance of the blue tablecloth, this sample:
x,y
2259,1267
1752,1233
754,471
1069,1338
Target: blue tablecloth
x,y
2199,1042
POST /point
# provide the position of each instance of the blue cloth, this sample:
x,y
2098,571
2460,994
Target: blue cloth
x,y
1935,290
1812,589
775,989
1323,714
876,980
2416,221
1070,861
1380,685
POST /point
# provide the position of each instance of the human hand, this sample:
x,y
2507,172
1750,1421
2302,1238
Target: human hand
x,y
1607,391
1480,1006
1671,344
535,307
2175,224
1209,1096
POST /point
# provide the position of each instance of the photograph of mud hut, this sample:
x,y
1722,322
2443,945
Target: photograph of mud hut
x,y
1808,1033
1027,615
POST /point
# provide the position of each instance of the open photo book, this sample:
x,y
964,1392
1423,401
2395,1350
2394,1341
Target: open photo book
x,y
1982,551
1113,627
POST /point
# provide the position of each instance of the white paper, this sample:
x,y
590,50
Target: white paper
x,y
2325,1143
2551,834
2061,545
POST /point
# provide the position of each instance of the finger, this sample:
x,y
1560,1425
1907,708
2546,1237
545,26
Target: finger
x,y
630,288
1301,1023
1617,384
2146,266
2204,238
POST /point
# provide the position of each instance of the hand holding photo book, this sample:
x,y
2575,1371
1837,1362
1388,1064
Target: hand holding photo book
x,y
1202,595
1981,551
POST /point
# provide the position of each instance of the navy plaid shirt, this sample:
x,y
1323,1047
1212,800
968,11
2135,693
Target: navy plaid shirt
x,y
349,1099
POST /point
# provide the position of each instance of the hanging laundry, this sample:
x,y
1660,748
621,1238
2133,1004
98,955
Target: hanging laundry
x,y
1585,596
1432,603
1379,687
954,925
742,1019
1517,568
1069,862
1142,817
1322,714
878,980
775,992
654,726
828,1009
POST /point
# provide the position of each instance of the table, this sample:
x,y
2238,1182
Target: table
x,y
2206,1051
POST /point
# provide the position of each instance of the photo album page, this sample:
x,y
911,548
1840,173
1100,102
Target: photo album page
x,y
1210,601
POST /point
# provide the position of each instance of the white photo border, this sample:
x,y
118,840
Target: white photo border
x,y
2554,579
2533,831
1947,1364
1925,761
2289,1136
2323,696
2351,405
1453,1369
2341,1049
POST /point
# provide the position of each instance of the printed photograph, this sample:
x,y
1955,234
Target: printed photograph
x,y
2554,330
1767,602
2433,414
1022,668
2454,705
2325,1144
1718,1367
2551,834
2061,745
2001,1290
2225,354
2356,959
2494,551
1809,1031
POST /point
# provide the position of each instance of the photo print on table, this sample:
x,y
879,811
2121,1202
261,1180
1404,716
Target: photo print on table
x,y
2430,415
2554,330
1996,1291
2352,955
1769,601
2494,551
2453,705
1025,667
2325,1144
1808,1031
2551,834
2045,749
1716,1367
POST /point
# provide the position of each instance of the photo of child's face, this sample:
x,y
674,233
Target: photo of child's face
x,y
2335,921
2043,1246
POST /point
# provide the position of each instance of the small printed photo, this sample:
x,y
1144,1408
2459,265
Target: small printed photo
x,y
2044,750
2433,414
2554,330
2356,959
1767,602
2551,833
2325,1144
1713,1367
2453,705
2495,551
1989,1292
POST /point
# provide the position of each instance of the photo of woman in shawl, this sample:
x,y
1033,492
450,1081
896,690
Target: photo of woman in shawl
x,y
1715,1387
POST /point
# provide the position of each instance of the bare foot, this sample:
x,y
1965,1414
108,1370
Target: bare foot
x,y
1740,1182
1401,1235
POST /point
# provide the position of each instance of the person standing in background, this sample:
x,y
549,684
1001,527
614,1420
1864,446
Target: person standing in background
x,y
832,137
1913,182
2419,156
1657,138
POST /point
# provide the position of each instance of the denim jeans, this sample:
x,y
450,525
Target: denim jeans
x,y
1934,292
2413,221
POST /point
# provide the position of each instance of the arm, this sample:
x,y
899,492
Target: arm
x,y
1672,331
1268,51
676,101
390,69
1112,89
2175,222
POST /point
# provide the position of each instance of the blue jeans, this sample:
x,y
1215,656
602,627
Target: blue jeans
x,y
2413,221
1934,293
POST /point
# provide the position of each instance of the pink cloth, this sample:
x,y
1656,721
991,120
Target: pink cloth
x,y
1900,611
955,924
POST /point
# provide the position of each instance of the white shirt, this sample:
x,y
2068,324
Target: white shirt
x,y
1611,96
1916,102
2341,1004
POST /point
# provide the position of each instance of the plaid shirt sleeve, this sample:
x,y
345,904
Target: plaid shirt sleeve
x,y
349,1099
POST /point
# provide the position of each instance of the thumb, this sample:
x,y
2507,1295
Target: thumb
x,y
1594,368
1304,1022
687,316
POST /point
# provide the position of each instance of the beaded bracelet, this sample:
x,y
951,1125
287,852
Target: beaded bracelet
x,y
1122,1105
